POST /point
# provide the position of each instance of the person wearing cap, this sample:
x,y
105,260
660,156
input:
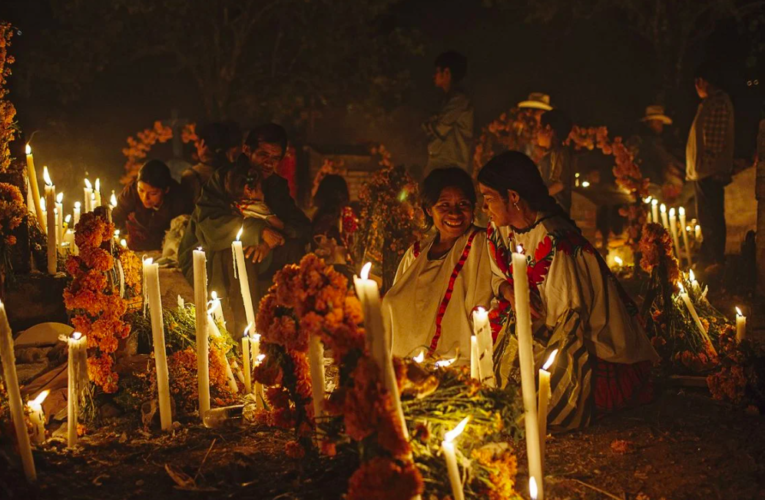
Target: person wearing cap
x,y
450,131
651,154
709,161
146,206
536,104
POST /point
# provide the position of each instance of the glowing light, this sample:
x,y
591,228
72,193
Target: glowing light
x,y
647,200
688,228
681,211
76,335
68,218
550,360
533,491
682,288
148,261
123,243
77,205
738,312
42,204
519,249
60,198
672,212
619,261
364,274
88,184
239,234
420,357
585,184
46,177
214,295
256,337
40,398
663,208
445,362
691,276
113,200
454,433
247,330
259,359
29,149
98,184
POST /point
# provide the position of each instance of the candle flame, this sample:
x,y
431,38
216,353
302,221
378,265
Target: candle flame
x,y
92,198
688,228
654,202
247,330
698,228
88,184
681,211
259,358
29,149
214,295
647,200
481,312
691,275
76,335
42,204
682,288
116,233
618,260
550,360
672,212
123,243
533,491
77,205
519,249
60,197
46,177
98,184
256,337
113,200
738,312
663,208
454,433
445,362
420,357
40,398
585,184
68,218
364,274
148,262
239,234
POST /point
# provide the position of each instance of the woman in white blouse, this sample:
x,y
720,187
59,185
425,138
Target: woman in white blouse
x,y
442,279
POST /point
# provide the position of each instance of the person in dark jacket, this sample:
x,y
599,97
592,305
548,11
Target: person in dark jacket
x,y
147,205
212,146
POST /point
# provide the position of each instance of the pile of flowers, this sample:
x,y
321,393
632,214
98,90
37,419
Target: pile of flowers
x,y
312,299
740,377
389,218
92,297
12,212
8,126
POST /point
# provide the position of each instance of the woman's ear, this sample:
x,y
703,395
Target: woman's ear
x,y
429,211
513,197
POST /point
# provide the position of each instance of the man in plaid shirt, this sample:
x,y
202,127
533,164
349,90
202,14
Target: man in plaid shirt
x,y
709,162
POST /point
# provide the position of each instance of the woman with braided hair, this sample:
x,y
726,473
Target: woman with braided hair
x,y
578,307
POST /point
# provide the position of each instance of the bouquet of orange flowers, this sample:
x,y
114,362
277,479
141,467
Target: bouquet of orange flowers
x,y
7,110
12,212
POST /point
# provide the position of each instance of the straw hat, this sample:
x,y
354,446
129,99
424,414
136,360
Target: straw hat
x,y
656,112
536,100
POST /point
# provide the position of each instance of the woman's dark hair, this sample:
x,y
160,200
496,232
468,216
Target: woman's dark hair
x,y
241,175
269,133
440,179
456,62
559,122
332,193
214,135
156,174
513,170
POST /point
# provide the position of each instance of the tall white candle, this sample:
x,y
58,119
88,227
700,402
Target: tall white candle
x,y
691,309
76,211
37,417
240,267
526,358
151,283
316,367
247,360
77,344
203,347
647,201
97,193
50,203
684,231
450,456
655,211
697,233
69,241
740,325
14,396
664,221
88,193
482,329
369,296
544,399
673,232
475,371
60,217
32,173
113,200
216,309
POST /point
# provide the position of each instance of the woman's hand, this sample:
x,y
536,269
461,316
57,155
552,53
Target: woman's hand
x,y
257,252
272,237
507,292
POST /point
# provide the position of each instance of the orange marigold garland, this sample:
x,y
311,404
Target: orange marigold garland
x,y
12,212
8,126
139,146
93,299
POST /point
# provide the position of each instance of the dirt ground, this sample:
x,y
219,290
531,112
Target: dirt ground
x,y
683,446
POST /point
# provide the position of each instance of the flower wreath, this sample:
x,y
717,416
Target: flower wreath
x,y
139,146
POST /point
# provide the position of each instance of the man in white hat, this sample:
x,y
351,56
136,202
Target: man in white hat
x,y
536,100
651,154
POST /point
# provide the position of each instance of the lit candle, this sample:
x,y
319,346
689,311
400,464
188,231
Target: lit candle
x,y
420,357
691,309
316,367
655,211
215,333
113,200
695,288
673,232
619,262
44,210
247,359
544,399
216,309
88,196
450,456
533,491
50,202
14,395
684,230
369,296
76,211
97,193
697,233
37,417
32,173
240,270
475,371
69,241
482,329
647,201
92,202
203,347
60,217
151,284
526,358
77,344
740,325
664,221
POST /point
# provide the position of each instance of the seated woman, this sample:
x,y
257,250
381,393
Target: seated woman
x,y
441,281
578,307
147,205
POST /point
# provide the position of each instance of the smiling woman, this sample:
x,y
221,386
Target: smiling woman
x,y
442,279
